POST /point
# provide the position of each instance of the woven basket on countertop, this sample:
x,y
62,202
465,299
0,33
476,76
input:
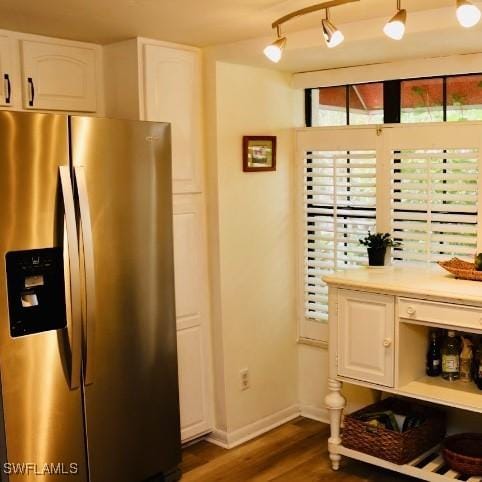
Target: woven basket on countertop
x,y
461,269
463,453
395,447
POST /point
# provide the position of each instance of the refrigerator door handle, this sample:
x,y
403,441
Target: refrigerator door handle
x,y
88,249
74,268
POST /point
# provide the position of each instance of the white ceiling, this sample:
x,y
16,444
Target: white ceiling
x,y
194,22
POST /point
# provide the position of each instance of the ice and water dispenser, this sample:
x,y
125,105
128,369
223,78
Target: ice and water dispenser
x,y
36,291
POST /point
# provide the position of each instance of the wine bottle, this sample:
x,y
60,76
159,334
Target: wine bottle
x,y
450,357
466,356
434,362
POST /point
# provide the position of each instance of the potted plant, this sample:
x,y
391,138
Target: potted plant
x,y
377,245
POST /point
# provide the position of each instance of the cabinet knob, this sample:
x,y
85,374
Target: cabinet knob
x,y
411,310
387,342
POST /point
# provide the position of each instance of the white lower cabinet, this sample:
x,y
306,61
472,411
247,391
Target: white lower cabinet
x,y
192,383
58,77
366,330
192,316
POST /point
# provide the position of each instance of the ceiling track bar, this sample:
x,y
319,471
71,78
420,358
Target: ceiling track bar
x,y
313,8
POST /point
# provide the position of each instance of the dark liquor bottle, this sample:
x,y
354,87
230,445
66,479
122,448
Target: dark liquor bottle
x,y
434,357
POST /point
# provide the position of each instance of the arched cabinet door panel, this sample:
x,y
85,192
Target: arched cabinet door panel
x,y
59,77
172,81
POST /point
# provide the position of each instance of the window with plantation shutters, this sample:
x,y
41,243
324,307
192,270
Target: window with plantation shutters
x,y
418,182
434,196
340,207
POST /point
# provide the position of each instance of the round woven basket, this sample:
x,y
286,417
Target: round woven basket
x,y
463,453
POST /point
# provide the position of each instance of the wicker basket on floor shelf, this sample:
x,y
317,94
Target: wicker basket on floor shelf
x,y
461,269
398,448
463,453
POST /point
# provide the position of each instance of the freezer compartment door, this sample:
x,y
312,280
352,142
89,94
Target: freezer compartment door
x,y
43,429
123,179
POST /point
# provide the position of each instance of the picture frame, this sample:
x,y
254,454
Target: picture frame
x,y
259,153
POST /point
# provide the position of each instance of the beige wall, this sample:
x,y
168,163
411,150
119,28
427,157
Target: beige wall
x,y
252,248
253,253
312,383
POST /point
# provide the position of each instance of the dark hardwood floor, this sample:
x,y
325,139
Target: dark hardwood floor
x,y
296,451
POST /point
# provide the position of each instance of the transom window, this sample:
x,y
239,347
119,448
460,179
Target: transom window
x,y
437,99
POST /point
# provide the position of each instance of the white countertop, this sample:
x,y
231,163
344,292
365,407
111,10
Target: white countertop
x,y
405,280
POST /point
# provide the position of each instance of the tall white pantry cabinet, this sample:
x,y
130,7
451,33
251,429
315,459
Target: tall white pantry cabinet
x,y
159,81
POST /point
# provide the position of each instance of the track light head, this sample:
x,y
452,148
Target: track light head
x,y
467,13
274,51
333,37
395,27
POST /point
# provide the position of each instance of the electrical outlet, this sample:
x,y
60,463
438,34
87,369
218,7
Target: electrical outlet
x,y
244,379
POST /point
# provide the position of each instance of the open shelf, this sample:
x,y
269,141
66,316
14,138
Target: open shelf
x,y
412,381
454,394
429,466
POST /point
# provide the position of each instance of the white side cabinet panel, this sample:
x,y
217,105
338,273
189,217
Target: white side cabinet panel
x,y
191,383
172,93
6,72
58,77
366,329
192,317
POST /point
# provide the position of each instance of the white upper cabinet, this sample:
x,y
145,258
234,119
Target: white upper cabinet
x,y
366,331
172,93
6,72
58,76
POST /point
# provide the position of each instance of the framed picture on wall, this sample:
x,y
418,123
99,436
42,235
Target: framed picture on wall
x,y
259,153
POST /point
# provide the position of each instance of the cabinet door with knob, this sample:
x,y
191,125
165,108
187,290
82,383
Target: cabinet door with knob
x,y
191,279
6,68
366,330
58,76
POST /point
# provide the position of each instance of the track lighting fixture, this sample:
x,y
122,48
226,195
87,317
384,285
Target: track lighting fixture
x,y
467,13
395,27
333,36
274,51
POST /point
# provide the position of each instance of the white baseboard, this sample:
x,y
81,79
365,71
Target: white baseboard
x,y
315,413
228,440
218,437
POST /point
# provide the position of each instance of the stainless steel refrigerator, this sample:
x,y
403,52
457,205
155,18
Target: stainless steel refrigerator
x,y
87,318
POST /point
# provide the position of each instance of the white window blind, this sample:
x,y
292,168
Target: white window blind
x,y
339,208
434,203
